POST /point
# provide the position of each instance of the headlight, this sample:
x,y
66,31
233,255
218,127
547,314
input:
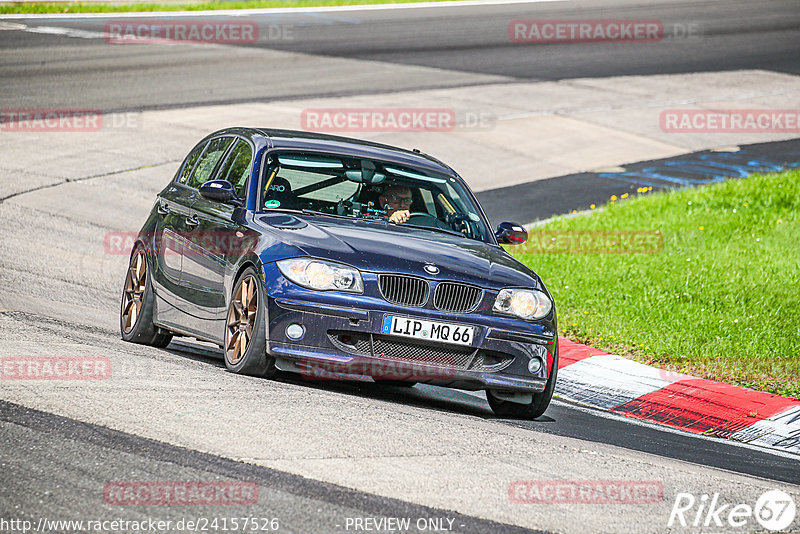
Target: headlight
x,y
525,303
321,275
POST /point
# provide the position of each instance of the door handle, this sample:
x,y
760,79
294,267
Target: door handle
x,y
192,221
163,209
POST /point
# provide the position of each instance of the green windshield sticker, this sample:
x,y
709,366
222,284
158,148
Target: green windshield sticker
x,y
272,204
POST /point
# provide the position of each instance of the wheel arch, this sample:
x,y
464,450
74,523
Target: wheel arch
x,y
263,365
248,261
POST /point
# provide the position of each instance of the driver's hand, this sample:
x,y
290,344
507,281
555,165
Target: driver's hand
x,y
399,216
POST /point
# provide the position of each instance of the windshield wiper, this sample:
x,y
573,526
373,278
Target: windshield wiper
x,y
307,211
434,228
281,210
315,212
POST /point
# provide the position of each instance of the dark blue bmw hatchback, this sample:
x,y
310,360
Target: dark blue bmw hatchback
x,y
341,259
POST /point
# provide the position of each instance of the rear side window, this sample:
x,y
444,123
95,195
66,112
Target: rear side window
x,y
205,166
188,165
236,168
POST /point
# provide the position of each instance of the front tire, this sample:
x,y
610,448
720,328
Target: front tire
x,y
245,329
138,305
532,410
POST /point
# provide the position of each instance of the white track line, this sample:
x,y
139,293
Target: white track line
x,y
51,30
270,11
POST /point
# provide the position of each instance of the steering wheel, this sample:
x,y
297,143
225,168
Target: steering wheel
x,y
426,219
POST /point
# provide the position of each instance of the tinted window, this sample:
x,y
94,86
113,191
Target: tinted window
x,y
188,165
205,166
317,185
236,168
347,186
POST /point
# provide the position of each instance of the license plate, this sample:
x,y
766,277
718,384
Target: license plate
x,y
427,330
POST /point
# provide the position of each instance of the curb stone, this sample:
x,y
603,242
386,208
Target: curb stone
x,y
619,385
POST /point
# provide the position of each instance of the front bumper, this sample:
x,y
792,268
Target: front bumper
x,y
343,339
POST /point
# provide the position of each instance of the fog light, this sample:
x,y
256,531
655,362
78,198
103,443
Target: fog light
x,y
295,331
535,365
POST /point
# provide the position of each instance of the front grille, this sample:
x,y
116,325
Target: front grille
x,y
404,290
456,298
393,348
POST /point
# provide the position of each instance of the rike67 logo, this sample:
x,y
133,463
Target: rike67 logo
x,y
774,511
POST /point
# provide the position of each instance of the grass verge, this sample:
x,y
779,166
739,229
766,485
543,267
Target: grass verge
x,y
80,7
721,300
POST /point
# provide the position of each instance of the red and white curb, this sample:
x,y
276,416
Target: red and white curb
x,y
595,378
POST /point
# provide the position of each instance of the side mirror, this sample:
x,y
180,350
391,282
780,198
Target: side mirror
x,y
220,191
509,233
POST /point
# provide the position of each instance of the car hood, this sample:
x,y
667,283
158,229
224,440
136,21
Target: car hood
x,y
376,246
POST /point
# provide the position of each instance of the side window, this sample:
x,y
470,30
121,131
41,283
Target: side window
x,y
236,168
208,161
188,165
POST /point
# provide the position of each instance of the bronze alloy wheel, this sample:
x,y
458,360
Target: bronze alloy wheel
x,y
135,286
138,306
241,319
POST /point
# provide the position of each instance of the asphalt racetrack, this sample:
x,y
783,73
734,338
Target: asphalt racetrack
x,y
395,50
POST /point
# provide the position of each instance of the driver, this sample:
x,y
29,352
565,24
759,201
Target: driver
x,y
396,200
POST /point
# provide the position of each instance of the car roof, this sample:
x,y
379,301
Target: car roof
x,y
297,140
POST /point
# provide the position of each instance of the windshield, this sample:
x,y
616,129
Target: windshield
x,y
351,187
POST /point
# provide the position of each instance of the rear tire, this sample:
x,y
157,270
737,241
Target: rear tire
x,y
138,305
532,410
245,329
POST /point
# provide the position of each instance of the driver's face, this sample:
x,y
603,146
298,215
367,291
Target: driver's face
x,y
396,198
